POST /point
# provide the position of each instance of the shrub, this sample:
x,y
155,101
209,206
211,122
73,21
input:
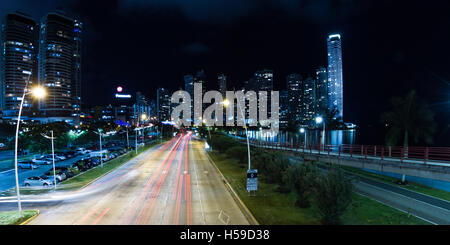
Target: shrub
x,y
238,152
270,165
333,195
300,178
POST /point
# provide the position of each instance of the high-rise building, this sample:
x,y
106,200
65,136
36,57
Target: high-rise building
x,y
76,64
58,60
309,101
17,62
189,85
335,79
295,95
263,80
141,107
321,90
222,80
163,104
284,109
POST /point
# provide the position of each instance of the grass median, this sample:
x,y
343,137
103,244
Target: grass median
x,y
274,208
12,217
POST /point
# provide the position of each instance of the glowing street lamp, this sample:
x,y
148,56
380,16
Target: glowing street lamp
x,y
303,131
320,120
37,92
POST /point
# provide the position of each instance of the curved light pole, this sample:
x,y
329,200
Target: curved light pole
x,y
38,93
226,103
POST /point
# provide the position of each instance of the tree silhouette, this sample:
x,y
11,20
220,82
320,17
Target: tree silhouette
x,y
410,120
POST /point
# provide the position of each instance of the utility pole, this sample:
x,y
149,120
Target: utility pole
x,y
53,156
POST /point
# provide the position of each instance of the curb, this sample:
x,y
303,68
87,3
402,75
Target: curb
x,y
30,219
250,218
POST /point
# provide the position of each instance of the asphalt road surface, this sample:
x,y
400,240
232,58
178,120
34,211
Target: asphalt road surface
x,y
171,184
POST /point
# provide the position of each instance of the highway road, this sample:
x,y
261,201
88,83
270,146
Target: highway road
x,y
170,184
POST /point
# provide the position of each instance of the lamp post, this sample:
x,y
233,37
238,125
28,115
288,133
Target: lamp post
x,y
53,156
302,131
143,118
320,120
226,103
38,92
101,150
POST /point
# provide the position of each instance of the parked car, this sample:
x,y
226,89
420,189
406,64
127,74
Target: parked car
x,y
38,181
41,160
60,156
60,176
23,164
66,171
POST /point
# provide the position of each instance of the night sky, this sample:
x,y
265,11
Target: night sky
x,y
389,47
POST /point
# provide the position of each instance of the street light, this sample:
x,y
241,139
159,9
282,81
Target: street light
x,y
302,131
101,150
38,93
320,120
53,156
226,103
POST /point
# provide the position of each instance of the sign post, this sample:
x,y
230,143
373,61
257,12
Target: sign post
x,y
252,180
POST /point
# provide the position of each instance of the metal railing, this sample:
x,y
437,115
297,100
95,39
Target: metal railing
x,y
398,153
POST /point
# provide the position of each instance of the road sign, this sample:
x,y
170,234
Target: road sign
x,y
252,180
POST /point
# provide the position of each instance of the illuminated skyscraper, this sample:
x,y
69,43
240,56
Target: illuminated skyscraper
x,y
222,79
59,65
308,101
18,55
163,104
335,80
321,91
295,95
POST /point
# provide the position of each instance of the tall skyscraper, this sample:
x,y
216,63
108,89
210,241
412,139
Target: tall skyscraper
x,y
295,95
222,80
309,101
321,90
18,55
284,109
335,79
189,85
264,80
58,58
163,104
76,64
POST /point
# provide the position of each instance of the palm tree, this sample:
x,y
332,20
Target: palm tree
x,y
410,120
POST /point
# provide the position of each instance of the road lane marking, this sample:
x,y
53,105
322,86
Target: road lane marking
x,y
81,221
148,211
199,195
100,216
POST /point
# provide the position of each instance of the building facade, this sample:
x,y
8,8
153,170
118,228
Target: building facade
x,y
163,104
321,91
295,95
18,62
58,59
335,79
309,101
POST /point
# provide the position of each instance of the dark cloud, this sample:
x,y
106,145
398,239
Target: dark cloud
x,y
195,48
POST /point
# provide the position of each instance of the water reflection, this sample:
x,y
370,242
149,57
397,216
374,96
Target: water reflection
x,y
333,137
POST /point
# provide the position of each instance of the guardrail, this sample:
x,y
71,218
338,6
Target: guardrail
x,y
399,153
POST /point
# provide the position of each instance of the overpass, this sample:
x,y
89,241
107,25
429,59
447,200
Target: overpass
x,y
424,162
